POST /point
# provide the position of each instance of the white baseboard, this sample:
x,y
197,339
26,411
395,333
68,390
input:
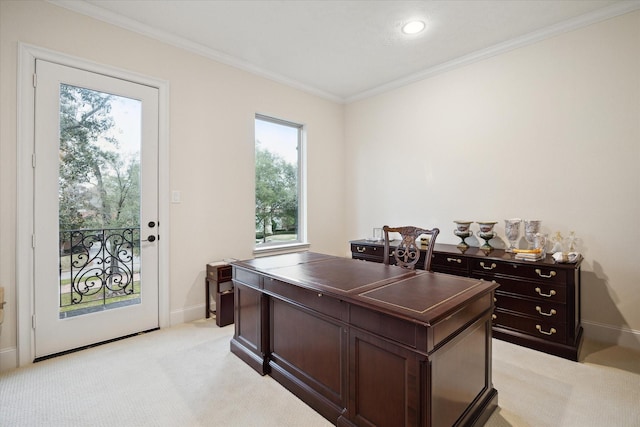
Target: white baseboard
x,y
624,337
189,314
8,356
8,359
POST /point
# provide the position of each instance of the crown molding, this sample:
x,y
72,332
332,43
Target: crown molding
x,y
109,17
599,15
528,39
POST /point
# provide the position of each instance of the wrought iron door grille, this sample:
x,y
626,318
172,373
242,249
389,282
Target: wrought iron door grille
x,y
99,269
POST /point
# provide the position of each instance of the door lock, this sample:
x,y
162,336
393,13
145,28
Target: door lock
x,y
151,238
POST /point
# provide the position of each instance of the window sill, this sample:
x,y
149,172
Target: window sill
x,y
281,249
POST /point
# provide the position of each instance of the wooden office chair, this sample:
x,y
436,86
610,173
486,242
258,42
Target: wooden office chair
x,y
407,252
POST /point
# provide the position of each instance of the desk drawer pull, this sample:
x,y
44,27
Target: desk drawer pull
x,y
458,260
491,267
360,249
550,313
551,274
550,294
551,331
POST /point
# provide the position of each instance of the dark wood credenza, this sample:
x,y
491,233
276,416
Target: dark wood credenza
x,y
366,344
537,302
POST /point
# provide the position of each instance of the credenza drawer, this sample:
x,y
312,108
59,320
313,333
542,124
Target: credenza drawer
x,y
540,291
542,329
448,262
369,253
543,310
366,250
542,273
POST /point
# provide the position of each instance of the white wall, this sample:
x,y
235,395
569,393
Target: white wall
x,y
212,107
550,131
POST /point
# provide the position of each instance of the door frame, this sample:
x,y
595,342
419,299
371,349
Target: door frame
x,y
25,284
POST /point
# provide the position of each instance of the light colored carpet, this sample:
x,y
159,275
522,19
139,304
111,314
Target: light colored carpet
x,y
186,376
536,389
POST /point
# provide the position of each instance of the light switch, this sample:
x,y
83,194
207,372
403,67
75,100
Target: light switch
x,y
175,196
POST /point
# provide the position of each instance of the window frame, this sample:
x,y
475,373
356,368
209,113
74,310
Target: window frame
x,y
301,242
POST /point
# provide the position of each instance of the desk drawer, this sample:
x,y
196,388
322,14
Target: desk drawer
x,y
247,278
313,300
551,331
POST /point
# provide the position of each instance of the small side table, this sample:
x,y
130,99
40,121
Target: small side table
x,y
220,274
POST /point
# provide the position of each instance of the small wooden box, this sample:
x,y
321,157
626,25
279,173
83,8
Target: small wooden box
x,y
219,272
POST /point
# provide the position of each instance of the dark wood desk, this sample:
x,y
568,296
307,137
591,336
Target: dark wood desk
x,y
367,344
537,303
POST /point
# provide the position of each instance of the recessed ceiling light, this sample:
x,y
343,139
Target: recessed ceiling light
x,y
413,27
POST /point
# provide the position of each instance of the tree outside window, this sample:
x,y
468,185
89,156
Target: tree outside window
x,y
278,189
99,179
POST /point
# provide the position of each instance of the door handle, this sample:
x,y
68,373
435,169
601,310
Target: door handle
x,y
151,238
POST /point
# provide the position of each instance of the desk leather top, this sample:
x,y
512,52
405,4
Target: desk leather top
x,y
418,294
426,296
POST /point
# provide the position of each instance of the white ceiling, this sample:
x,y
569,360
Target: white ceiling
x,y
347,50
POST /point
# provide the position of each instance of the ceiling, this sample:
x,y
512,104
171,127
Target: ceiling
x,y
348,50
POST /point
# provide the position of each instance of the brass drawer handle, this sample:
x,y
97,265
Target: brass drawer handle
x,y
551,274
550,294
458,260
360,249
551,332
550,313
491,267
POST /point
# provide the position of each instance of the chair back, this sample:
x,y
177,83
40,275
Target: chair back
x,y
407,253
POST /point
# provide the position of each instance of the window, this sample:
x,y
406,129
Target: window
x,y
279,183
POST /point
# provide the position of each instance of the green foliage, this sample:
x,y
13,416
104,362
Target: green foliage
x,y
276,194
123,192
96,187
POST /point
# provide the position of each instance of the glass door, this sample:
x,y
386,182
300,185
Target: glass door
x,y
96,204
